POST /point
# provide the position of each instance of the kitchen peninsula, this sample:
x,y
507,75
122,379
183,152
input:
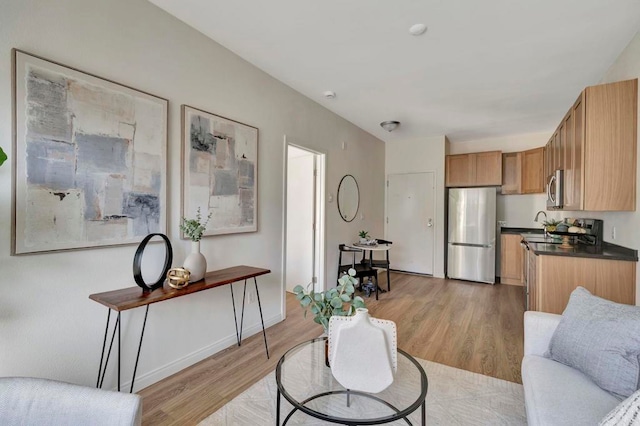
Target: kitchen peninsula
x,y
552,273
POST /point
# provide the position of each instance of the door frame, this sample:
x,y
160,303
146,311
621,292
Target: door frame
x,y
435,212
320,216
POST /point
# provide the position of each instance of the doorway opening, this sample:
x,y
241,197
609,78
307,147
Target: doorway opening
x,y
304,239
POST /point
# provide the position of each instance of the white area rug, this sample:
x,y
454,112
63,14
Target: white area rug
x,y
454,397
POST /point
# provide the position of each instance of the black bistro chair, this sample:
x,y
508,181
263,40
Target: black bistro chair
x,y
381,263
363,270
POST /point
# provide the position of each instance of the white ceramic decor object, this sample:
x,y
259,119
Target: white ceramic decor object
x,y
363,351
195,263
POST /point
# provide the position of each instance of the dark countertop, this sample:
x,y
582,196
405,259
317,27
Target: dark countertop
x,y
504,230
606,251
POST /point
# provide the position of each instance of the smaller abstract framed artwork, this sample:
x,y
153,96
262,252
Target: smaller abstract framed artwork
x,y
219,171
90,159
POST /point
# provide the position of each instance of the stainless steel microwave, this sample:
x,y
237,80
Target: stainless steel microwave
x,y
555,190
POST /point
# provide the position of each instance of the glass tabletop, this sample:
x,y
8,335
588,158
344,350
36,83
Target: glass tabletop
x,y
307,383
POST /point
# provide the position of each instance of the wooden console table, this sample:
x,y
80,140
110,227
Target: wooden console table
x,y
134,297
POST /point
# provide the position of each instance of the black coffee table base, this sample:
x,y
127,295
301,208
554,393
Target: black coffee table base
x,y
423,410
293,373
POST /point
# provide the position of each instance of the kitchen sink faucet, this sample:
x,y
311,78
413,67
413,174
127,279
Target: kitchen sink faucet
x,y
535,219
538,215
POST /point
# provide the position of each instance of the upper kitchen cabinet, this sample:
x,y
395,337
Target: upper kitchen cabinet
x,y
512,173
474,169
532,171
595,145
523,172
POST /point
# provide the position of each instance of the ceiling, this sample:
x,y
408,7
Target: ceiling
x,y
483,68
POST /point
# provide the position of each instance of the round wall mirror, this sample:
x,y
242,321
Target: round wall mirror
x,y
348,198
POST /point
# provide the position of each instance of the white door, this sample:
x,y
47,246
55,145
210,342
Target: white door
x,y
411,221
300,217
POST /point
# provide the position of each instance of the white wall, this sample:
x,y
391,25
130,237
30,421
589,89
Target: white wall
x,y
423,155
48,326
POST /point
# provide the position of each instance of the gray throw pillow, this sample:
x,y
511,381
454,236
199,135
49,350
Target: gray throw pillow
x,y
601,339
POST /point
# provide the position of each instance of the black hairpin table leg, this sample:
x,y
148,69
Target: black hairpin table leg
x,y
102,370
135,368
235,315
264,333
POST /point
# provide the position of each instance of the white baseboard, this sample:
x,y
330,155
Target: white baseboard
x,y
173,367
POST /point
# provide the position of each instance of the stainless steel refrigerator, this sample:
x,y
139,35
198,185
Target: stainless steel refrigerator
x,y
471,249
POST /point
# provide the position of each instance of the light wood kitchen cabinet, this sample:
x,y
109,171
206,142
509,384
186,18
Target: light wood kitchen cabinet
x,y
512,173
595,145
532,281
532,171
511,259
548,154
572,164
573,157
555,277
474,169
460,170
609,151
523,172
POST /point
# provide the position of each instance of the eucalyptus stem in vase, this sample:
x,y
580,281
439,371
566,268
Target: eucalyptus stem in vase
x,y
193,229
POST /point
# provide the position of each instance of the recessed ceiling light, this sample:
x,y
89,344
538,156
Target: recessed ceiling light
x,y
417,29
329,94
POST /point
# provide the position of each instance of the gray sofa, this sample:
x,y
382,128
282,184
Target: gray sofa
x,y
29,401
554,393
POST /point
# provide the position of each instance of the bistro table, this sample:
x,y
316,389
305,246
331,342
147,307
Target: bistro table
x,y
307,384
370,287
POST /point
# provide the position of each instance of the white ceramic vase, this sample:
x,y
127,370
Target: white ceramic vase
x,y
195,263
363,351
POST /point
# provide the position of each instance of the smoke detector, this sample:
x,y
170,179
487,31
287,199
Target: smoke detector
x,y
417,29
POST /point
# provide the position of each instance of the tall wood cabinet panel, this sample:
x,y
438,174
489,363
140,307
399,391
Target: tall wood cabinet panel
x,y
511,259
474,169
610,146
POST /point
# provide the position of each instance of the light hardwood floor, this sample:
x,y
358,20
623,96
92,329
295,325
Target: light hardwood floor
x,y
476,327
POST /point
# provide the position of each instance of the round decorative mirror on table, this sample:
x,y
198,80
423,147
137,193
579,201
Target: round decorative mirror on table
x,y
148,268
348,198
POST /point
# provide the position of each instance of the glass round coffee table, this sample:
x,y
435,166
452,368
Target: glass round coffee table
x,y
308,385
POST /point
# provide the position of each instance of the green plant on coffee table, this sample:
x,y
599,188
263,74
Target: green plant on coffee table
x,y
194,228
363,234
335,301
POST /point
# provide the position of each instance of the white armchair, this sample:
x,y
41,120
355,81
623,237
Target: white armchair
x,y
30,401
556,394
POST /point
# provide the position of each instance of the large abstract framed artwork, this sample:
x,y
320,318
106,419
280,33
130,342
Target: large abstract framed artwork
x,y
219,171
90,159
